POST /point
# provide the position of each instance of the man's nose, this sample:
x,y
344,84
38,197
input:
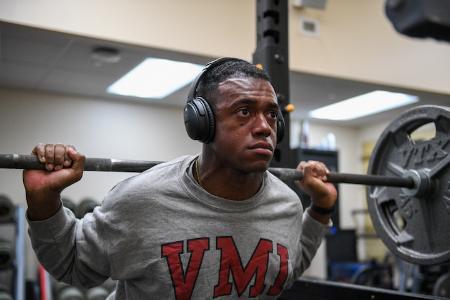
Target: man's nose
x,y
261,125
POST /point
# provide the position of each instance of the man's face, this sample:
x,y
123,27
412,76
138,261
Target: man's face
x,y
246,122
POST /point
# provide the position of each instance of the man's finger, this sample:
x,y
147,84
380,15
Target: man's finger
x,y
59,153
39,151
301,166
67,159
50,153
49,156
76,157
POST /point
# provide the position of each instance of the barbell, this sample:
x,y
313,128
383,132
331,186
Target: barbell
x,y
409,184
30,162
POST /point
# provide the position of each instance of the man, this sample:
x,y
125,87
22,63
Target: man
x,y
216,225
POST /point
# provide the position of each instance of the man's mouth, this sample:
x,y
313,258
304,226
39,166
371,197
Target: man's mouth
x,y
262,148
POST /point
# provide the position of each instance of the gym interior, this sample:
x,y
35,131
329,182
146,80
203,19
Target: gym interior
x,y
59,61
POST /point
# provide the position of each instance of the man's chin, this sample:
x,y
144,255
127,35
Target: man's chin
x,y
259,167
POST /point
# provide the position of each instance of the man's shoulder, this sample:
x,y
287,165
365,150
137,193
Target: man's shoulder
x,y
279,186
172,165
280,191
160,176
161,172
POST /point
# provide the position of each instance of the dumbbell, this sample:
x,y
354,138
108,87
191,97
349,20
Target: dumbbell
x,y
109,285
86,205
6,284
68,203
71,293
97,293
7,209
5,296
63,291
6,254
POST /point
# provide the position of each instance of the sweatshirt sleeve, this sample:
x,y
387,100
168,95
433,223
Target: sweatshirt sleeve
x,y
310,240
73,250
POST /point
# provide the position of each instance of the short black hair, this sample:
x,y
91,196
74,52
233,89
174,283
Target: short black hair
x,y
228,69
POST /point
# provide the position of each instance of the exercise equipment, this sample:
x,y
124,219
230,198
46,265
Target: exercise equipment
x,y
272,55
109,285
30,162
97,293
68,203
12,253
409,193
64,291
70,293
6,284
374,275
86,205
6,254
414,222
7,210
420,18
7,232
442,286
5,296
314,289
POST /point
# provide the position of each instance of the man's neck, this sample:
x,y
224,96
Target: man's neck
x,y
225,182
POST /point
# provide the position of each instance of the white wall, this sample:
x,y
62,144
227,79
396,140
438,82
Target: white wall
x,y
356,40
98,128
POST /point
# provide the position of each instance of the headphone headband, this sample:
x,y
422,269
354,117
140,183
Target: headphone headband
x,y
193,90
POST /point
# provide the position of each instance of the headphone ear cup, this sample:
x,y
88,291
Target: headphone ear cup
x,y
199,120
280,128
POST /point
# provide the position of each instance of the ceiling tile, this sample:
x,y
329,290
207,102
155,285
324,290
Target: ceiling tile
x,y
30,45
70,81
21,50
79,59
20,74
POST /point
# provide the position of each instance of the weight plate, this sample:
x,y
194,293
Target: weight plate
x,y
442,286
414,223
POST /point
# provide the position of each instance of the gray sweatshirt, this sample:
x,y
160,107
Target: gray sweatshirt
x,y
162,236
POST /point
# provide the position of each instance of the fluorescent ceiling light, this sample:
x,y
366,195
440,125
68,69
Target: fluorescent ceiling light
x,y
155,78
363,105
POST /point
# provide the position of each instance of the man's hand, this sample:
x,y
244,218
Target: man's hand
x,y
43,188
323,194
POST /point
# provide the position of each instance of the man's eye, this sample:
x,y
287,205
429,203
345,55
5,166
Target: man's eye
x,y
273,114
243,112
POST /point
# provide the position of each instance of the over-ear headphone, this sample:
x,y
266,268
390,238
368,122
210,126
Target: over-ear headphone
x,y
199,118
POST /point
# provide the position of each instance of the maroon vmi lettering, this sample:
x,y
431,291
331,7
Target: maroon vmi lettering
x,y
277,287
184,282
230,261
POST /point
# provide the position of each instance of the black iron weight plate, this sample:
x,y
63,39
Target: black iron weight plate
x,y
415,228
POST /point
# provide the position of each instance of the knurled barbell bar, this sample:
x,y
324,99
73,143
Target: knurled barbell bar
x,y
409,184
30,162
